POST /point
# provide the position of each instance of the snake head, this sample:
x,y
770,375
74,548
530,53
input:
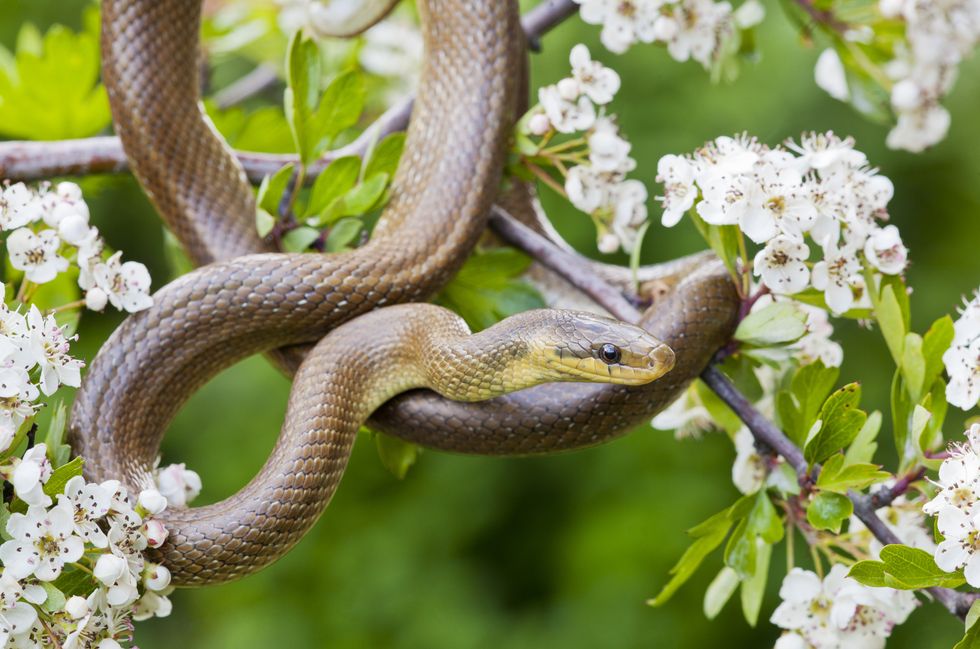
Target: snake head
x,y
587,347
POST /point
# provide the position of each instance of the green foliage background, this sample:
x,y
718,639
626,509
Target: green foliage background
x,y
554,551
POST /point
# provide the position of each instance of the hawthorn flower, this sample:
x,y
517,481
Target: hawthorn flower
x,y
677,175
817,344
962,359
837,611
15,621
36,254
698,29
830,75
595,81
686,416
17,206
624,22
566,115
608,151
88,502
31,473
50,348
178,484
113,571
955,507
127,285
586,188
779,204
43,542
885,251
781,265
630,212
835,275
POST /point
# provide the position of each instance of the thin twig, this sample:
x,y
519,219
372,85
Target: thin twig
x,y
31,161
577,271
261,78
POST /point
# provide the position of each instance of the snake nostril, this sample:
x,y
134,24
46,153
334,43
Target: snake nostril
x,y
664,356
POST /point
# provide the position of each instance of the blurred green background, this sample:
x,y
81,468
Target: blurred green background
x,y
563,550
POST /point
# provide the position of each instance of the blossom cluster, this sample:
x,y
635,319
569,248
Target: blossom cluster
x,y
923,66
956,507
702,30
97,532
962,359
837,611
596,162
48,228
821,187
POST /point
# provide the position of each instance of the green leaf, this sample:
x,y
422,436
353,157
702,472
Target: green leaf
x,y
741,551
754,588
869,573
808,389
935,402
396,455
342,234
264,130
901,407
73,581
708,536
916,568
835,476
828,511
340,108
56,483
764,521
888,312
913,365
862,449
781,322
723,240
364,196
384,159
333,183
486,289
842,421
49,89
971,640
56,599
934,344
4,517
972,615
299,239
719,411
302,95
58,451
269,197
719,592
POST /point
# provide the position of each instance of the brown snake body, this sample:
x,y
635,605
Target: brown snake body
x,y
238,306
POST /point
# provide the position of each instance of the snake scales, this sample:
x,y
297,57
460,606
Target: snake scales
x,y
244,303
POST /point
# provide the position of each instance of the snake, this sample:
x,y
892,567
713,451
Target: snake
x,y
338,322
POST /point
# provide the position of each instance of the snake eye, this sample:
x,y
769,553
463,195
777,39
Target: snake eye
x,y
610,353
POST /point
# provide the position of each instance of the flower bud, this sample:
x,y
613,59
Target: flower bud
x,y
73,228
109,568
152,501
96,299
906,95
155,532
568,89
109,643
539,124
608,243
156,577
76,607
69,191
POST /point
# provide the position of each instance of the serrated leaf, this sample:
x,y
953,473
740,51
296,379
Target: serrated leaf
x,y
386,155
934,344
720,590
73,581
778,323
299,239
913,365
342,234
972,615
835,476
889,316
828,511
869,573
842,421
741,551
917,568
58,451
4,517
810,386
901,407
56,483
935,402
335,181
272,189
764,521
396,455
862,449
302,94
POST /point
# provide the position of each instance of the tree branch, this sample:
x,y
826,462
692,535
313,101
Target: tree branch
x,y
260,79
31,161
576,270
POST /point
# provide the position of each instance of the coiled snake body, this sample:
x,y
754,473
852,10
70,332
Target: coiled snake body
x,y
241,305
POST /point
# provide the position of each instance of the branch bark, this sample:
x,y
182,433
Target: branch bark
x,y
32,161
576,270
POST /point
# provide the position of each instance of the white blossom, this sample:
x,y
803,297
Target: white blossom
x,y
50,348
152,501
17,206
178,484
955,507
749,470
76,607
630,212
885,251
36,254
698,30
127,285
88,502
43,541
836,275
32,471
781,265
962,359
817,344
608,151
686,416
624,22
596,81
677,175
830,75
566,116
